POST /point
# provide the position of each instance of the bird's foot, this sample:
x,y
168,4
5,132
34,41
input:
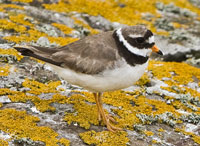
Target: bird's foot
x,y
110,118
107,119
102,116
110,127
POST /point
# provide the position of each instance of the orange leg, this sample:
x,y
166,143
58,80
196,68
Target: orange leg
x,y
97,103
106,118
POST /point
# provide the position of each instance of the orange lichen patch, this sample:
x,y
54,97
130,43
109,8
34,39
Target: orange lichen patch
x,y
62,41
131,14
184,4
41,105
143,80
20,19
38,88
34,35
85,114
4,53
85,25
16,96
65,29
154,141
185,105
8,25
23,1
105,138
18,39
3,7
30,35
178,25
178,105
161,130
145,106
149,133
109,9
182,71
22,125
64,142
195,137
192,92
180,75
4,70
3,142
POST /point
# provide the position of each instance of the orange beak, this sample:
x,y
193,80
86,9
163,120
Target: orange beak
x,y
156,50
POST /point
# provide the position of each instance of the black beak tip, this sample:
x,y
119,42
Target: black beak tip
x,y
160,52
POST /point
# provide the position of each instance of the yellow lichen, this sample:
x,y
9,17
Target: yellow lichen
x,y
10,52
195,137
149,133
143,80
154,141
83,24
126,105
8,25
84,115
20,19
65,29
4,70
64,142
131,14
3,142
62,41
42,105
179,75
38,88
23,1
178,72
3,7
161,130
22,125
105,138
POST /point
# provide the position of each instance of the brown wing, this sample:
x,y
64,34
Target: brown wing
x,y
89,55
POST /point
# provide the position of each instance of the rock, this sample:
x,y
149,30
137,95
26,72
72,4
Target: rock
x,y
148,16
43,41
171,8
48,16
164,24
195,3
50,30
194,62
98,22
152,112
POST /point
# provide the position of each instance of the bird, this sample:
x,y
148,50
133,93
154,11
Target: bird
x,y
107,61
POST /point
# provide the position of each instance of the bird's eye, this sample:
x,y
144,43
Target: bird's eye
x,y
140,40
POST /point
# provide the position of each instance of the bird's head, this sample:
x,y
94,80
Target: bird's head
x,y
138,40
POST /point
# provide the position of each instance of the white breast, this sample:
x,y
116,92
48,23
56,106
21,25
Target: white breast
x,y
121,77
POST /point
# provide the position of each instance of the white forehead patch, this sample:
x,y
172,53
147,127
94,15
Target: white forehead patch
x,y
151,40
134,50
135,36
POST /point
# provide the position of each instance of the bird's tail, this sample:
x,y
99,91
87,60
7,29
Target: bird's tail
x,y
41,53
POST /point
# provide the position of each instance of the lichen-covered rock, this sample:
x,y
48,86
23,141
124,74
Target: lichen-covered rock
x,y
39,108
